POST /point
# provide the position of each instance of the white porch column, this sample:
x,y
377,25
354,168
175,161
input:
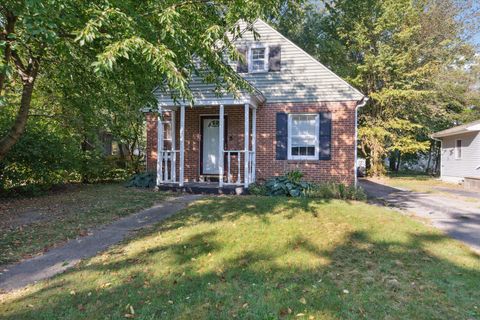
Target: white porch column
x,y
254,142
221,129
159,148
174,146
182,144
247,138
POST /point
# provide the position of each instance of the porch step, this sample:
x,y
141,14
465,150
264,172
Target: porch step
x,y
204,188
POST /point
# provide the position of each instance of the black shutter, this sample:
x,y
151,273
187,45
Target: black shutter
x,y
282,136
325,136
275,58
242,65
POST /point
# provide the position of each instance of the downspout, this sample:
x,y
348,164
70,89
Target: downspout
x,y
361,104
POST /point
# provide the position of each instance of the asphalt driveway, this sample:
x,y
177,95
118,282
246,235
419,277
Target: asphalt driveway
x,y
458,218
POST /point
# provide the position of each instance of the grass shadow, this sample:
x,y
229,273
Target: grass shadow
x,y
202,272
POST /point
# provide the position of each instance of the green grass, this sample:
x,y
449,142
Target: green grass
x,y
66,214
416,182
268,258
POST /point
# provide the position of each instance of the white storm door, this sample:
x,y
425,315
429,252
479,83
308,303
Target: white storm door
x,y
210,146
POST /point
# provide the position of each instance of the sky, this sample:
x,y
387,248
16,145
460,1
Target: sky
x,y
476,39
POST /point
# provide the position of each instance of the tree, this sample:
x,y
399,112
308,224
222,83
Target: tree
x,y
396,52
168,41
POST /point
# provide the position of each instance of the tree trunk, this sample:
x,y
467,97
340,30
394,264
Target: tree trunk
x,y
399,160
8,141
427,169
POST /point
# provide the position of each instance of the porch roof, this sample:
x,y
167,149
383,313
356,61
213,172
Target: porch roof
x,y
205,94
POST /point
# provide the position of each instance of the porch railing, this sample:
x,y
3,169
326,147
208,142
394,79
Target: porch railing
x,y
234,165
168,166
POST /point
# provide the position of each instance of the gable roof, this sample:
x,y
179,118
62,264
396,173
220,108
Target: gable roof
x,y
302,78
464,128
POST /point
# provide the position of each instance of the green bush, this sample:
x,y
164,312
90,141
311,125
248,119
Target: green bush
x,y
46,154
142,180
333,190
258,189
284,186
291,185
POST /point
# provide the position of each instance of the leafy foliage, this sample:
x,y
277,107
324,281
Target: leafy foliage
x,y
284,186
87,68
332,190
411,58
291,185
142,180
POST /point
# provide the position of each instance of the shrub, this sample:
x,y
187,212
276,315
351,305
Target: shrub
x,y
291,185
332,190
142,180
258,189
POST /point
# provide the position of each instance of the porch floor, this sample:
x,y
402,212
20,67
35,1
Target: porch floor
x,y
203,188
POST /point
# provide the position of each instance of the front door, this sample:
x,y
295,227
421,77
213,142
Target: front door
x,y
210,139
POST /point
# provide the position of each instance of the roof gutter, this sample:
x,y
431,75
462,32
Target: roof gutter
x,y
360,104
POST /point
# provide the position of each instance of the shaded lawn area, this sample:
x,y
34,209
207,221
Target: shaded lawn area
x,y
32,225
416,182
268,258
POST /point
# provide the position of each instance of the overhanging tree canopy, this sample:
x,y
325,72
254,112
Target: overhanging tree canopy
x,y
162,40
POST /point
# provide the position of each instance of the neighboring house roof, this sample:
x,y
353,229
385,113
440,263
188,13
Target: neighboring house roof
x,y
300,79
464,128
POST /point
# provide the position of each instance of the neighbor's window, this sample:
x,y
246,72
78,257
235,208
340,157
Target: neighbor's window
x,y
458,149
258,60
303,136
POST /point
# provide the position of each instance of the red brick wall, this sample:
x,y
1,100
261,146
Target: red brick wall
x,y
339,168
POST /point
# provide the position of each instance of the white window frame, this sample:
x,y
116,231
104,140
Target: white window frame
x,y
250,58
458,150
289,138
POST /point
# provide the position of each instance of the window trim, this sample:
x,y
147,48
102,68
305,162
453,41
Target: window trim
x,y
458,150
250,58
289,137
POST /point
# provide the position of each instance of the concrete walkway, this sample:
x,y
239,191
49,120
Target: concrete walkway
x,y
459,219
61,258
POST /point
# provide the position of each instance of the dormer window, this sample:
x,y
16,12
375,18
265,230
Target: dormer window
x,y
258,60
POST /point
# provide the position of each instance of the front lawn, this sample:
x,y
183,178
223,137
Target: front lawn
x,y
32,225
268,258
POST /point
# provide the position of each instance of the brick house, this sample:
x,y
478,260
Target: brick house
x,y
298,115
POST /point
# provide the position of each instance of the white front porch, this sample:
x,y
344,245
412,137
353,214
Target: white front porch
x,y
229,167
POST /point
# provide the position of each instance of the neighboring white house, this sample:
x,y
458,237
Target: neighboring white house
x,y
460,155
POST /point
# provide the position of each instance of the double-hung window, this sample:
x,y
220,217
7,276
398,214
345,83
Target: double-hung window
x,y
303,142
258,59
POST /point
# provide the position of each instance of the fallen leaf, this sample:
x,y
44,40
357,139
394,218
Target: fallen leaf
x,y
303,300
285,311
